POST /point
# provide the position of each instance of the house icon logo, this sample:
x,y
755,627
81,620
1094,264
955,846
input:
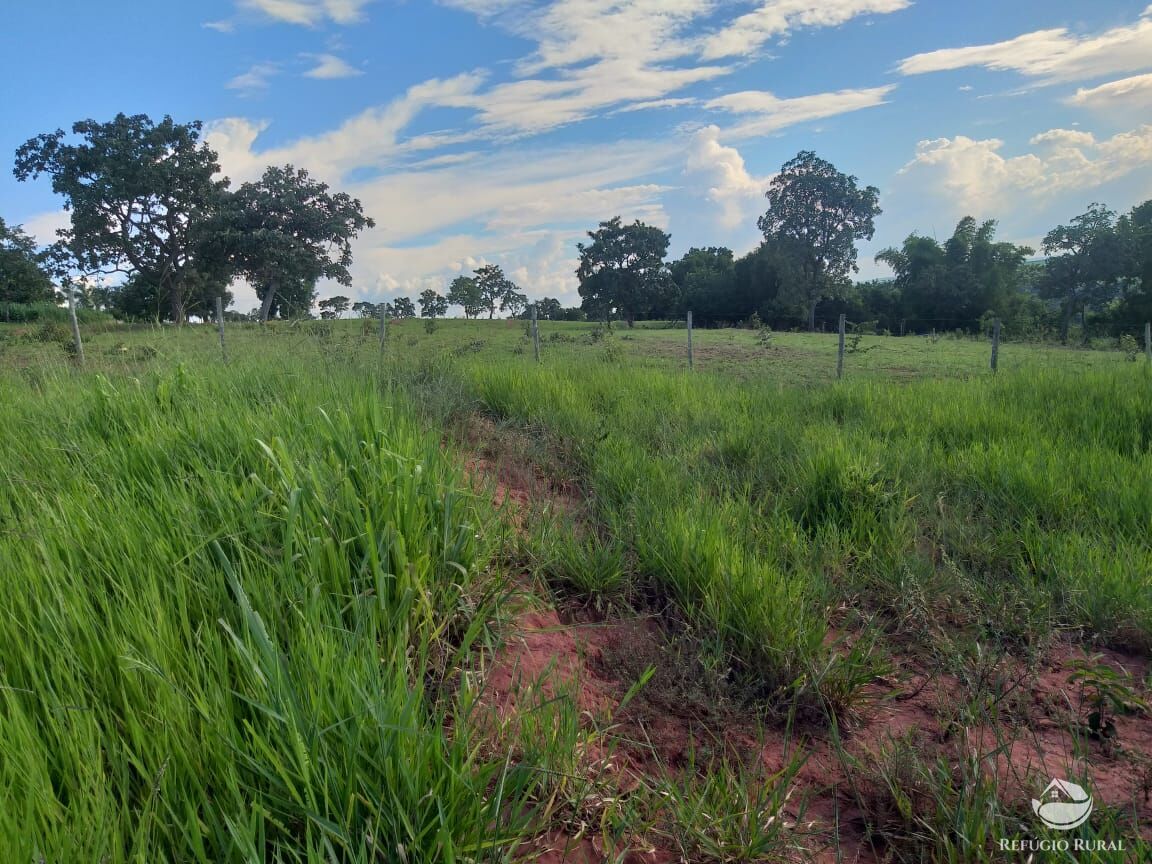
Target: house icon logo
x,y
1063,805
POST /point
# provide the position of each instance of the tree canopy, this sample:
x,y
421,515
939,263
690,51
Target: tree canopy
x,y
140,195
23,278
822,213
287,231
622,270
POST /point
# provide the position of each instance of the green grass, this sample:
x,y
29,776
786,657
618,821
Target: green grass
x,y
239,598
236,607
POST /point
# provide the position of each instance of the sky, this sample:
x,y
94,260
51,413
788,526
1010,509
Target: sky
x,y
501,131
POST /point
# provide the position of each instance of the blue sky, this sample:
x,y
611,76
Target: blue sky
x,y
498,131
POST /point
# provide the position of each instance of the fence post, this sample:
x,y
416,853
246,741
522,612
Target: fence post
x,y
75,324
840,351
220,326
995,343
535,334
689,340
383,325
1148,340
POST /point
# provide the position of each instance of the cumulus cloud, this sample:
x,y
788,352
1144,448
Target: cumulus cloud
x,y
977,177
329,66
1050,55
722,170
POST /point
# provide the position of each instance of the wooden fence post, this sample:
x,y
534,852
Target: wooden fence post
x,y
75,324
535,334
383,325
689,340
220,326
840,352
995,343
1148,340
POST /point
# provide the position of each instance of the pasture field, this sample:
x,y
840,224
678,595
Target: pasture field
x,y
439,602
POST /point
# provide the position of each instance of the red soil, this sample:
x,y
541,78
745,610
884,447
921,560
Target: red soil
x,y
1025,748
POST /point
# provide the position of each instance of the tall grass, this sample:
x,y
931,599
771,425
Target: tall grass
x,y
1017,501
235,605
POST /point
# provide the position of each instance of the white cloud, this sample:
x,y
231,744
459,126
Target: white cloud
x,y
977,178
776,18
1051,55
329,66
1127,94
225,25
595,55
255,80
770,113
308,13
737,193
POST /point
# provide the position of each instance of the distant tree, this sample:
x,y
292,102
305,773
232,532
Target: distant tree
x,y
464,292
364,309
22,275
1085,264
549,309
495,291
285,232
432,305
403,308
334,307
822,212
622,270
140,195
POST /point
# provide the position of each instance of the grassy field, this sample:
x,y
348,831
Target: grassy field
x,y
250,606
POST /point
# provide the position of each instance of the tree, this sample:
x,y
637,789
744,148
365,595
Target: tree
x,y
22,275
549,309
823,212
955,285
334,307
365,309
706,279
285,232
140,194
403,308
1135,232
464,292
622,270
432,305
495,290
1085,264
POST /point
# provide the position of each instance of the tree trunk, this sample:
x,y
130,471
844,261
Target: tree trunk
x,y
177,294
1065,323
812,314
269,296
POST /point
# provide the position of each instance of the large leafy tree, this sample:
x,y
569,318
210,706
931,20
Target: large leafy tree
x,y
1085,264
334,307
432,304
23,278
140,195
822,212
465,293
622,270
285,232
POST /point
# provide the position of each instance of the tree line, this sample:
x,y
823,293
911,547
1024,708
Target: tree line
x,y
150,213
